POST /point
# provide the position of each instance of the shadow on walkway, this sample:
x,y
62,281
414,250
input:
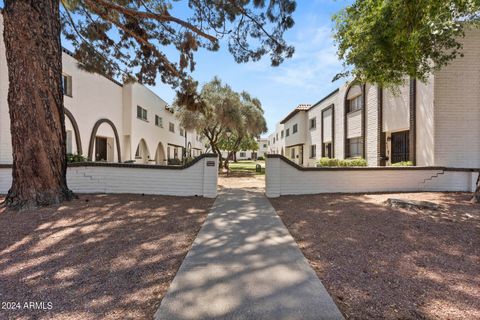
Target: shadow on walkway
x,y
245,265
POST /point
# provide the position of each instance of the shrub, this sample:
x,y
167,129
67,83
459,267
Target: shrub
x,y
329,162
174,162
403,164
187,160
260,158
72,158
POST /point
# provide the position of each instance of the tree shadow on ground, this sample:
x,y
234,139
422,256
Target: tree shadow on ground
x,y
384,263
244,265
100,256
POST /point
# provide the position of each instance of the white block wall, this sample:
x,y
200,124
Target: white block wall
x,y
285,179
196,180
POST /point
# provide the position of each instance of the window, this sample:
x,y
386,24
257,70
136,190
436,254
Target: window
x,y
313,151
268,142
67,85
295,128
141,113
281,134
158,121
171,127
355,147
264,145
355,104
182,132
243,154
287,133
292,153
313,123
273,140
175,153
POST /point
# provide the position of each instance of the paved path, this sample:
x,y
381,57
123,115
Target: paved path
x,y
245,265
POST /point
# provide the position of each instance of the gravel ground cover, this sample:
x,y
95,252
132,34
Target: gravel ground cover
x,y
379,262
97,257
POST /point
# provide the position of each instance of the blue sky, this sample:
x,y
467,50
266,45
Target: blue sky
x,y
305,78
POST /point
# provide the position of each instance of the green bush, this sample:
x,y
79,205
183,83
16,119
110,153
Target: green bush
x,y
174,162
403,164
187,160
260,158
72,158
329,162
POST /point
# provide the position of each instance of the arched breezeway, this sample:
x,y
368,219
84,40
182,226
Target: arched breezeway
x,y
160,157
142,154
73,140
104,140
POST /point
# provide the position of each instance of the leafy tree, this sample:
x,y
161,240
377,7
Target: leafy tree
x,y
243,133
226,119
220,111
385,41
119,38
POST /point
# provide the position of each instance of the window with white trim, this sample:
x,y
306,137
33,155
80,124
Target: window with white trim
x,y
67,85
158,121
142,113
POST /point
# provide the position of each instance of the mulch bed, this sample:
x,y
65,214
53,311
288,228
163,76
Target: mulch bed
x,y
379,262
97,257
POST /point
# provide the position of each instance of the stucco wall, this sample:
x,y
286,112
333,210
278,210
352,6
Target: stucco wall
x,y
300,119
94,97
5,142
457,108
197,180
284,179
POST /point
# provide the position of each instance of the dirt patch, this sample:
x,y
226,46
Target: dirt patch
x,y
97,257
379,262
241,180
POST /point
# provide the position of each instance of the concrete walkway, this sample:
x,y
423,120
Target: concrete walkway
x,y
244,264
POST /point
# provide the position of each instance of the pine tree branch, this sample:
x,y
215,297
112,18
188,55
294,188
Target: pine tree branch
x,y
139,39
166,17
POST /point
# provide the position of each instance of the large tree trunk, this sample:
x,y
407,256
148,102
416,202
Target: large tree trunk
x,y
476,194
34,59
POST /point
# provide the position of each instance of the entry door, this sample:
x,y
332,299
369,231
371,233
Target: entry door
x,y
100,149
400,146
300,160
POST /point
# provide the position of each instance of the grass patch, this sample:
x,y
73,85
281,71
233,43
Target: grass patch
x,y
247,166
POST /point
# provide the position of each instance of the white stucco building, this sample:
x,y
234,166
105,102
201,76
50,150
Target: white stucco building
x,y
108,121
430,124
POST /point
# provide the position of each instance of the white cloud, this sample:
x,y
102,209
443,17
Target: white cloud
x,y
315,62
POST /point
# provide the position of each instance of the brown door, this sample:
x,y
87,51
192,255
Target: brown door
x,y
400,146
100,149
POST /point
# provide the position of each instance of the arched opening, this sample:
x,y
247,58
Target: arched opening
x,y
73,141
103,141
142,155
160,157
188,152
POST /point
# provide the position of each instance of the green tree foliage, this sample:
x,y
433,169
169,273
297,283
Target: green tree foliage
x,y
383,41
228,120
124,38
